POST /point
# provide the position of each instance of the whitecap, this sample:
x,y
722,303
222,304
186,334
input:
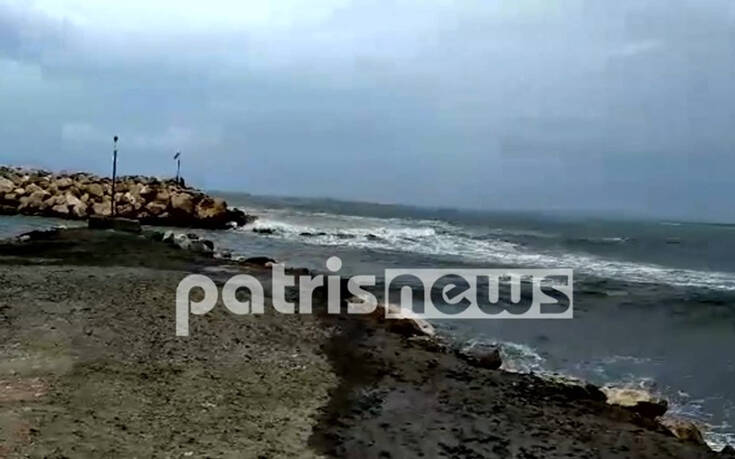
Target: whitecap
x,y
434,238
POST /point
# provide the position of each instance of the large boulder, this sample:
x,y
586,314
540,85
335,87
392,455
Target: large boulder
x,y
487,357
32,188
80,210
236,217
75,206
202,246
264,262
156,208
32,203
182,203
95,190
6,185
133,199
190,242
684,430
51,201
39,196
102,209
72,201
146,192
396,319
404,322
638,401
182,241
163,197
211,209
409,326
60,210
63,183
126,210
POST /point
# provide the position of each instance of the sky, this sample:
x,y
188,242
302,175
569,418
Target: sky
x,y
621,107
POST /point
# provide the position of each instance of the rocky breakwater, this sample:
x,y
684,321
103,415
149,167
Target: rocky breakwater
x,y
79,196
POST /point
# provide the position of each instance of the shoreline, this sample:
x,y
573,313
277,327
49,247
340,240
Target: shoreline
x,y
372,390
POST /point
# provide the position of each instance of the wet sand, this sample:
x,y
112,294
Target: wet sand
x,y
90,367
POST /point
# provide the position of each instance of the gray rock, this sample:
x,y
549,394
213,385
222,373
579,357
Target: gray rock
x,y
260,261
224,255
201,246
683,430
190,242
182,241
168,236
482,357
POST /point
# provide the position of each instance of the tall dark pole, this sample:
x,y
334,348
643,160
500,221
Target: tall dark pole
x,y
177,157
114,175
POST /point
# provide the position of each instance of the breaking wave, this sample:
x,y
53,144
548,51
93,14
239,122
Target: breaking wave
x,y
438,238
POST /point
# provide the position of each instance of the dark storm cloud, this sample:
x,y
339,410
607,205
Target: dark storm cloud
x,y
624,106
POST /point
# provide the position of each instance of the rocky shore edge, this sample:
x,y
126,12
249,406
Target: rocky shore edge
x,y
80,195
645,410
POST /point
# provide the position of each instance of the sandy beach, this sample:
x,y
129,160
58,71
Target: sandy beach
x,y
90,367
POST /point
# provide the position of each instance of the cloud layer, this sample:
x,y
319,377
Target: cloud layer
x,y
524,104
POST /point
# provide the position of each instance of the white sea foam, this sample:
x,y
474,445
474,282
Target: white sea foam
x,y
517,358
430,237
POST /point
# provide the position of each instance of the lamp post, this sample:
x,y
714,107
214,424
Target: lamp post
x,y
114,175
177,157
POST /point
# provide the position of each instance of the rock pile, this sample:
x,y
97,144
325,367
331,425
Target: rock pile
x,y
150,200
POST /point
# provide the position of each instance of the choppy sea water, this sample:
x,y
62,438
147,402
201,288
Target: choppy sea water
x,y
654,301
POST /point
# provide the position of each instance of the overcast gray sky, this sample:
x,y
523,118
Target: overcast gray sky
x,y
573,105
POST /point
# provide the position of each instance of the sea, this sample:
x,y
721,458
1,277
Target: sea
x,y
654,300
